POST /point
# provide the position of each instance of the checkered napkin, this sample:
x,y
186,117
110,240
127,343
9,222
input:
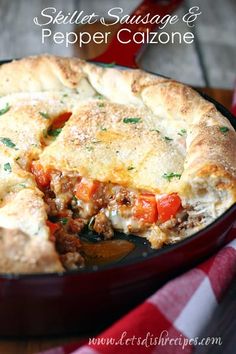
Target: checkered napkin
x,y
171,320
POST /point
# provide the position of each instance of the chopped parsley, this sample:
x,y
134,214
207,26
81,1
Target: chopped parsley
x,y
99,96
89,148
5,109
131,120
100,105
44,115
7,167
224,129
103,129
96,141
167,138
22,185
108,65
155,130
130,168
8,143
74,198
54,132
65,95
182,132
171,175
63,221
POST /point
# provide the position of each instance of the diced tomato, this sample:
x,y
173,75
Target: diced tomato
x,y
61,120
53,227
145,208
167,206
42,177
86,189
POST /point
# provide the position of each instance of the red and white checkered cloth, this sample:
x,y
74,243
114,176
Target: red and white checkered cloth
x,y
173,315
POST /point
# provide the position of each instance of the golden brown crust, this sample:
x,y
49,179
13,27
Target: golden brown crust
x,y
42,73
178,131
134,152
23,254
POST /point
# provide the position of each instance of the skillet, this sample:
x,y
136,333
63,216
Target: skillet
x,y
89,299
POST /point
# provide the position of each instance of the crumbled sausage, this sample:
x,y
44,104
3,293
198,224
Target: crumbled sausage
x,y
69,247
49,198
66,242
72,260
76,225
123,197
102,225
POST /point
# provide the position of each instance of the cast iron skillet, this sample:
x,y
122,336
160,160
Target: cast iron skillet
x,y
90,299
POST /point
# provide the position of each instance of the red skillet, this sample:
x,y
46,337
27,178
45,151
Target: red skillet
x,y
126,54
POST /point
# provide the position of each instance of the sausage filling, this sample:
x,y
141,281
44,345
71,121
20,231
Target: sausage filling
x,y
74,202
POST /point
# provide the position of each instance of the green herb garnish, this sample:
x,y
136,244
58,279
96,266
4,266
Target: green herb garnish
x,y
8,143
130,168
89,148
167,138
155,130
74,198
44,115
182,132
63,221
7,167
171,175
5,109
224,129
101,105
65,95
103,129
131,120
96,141
108,65
99,96
54,132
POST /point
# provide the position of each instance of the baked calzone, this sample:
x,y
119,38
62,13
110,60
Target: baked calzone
x,y
83,145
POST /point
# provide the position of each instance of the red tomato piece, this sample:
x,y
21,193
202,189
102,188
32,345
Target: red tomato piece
x,y
42,177
52,226
145,208
61,120
167,206
86,189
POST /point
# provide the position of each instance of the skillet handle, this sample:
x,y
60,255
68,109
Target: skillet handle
x,y
125,54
